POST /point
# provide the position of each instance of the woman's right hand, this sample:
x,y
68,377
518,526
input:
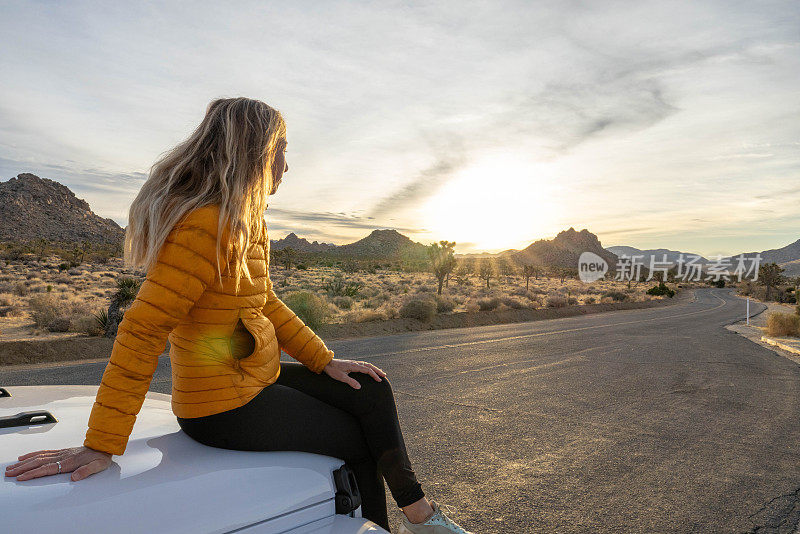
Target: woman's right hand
x,y
81,461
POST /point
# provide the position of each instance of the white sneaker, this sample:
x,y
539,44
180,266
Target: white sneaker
x,y
438,523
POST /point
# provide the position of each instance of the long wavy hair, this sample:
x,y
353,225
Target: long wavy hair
x,y
228,160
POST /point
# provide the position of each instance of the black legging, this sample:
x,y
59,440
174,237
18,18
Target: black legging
x,y
309,412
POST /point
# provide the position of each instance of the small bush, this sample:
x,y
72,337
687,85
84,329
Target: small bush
x,y
338,286
22,289
589,300
488,304
513,303
555,301
662,289
363,316
617,296
43,309
421,309
60,324
376,301
311,309
87,324
783,324
444,304
343,302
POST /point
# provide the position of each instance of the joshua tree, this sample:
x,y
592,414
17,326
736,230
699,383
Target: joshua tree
x,y
442,260
507,268
769,276
288,257
127,288
487,269
529,270
563,273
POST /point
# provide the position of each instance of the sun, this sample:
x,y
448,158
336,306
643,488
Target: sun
x,y
497,203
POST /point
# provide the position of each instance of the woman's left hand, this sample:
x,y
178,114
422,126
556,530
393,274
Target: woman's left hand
x,y
338,369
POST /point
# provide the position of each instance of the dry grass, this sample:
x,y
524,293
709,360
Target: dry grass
x,y
783,324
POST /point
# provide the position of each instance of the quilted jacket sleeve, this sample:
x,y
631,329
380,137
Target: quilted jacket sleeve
x,y
294,337
184,269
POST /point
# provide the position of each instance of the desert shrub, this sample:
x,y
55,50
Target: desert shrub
x,y
338,286
555,301
87,324
376,300
617,296
783,324
572,301
43,308
47,307
369,292
471,306
421,309
60,324
101,318
661,289
513,303
311,309
343,302
391,312
444,304
363,316
22,289
589,300
488,304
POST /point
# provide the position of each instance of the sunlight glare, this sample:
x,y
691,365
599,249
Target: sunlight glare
x,y
499,202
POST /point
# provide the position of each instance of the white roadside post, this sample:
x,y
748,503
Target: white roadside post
x,y
748,310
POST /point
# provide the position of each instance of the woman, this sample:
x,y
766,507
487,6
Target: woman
x,y
227,327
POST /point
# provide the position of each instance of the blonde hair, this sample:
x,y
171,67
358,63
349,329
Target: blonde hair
x,y
226,161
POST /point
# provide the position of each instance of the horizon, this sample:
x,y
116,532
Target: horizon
x,y
650,126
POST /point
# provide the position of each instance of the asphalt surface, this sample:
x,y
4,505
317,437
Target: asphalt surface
x,y
655,420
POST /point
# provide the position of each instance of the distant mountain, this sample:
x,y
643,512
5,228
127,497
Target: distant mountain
x,y
563,250
787,257
33,208
378,244
657,254
300,244
383,244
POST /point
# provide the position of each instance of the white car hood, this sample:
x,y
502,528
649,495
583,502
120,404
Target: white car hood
x,y
165,481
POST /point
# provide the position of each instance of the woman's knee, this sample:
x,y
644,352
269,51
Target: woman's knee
x,y
375,389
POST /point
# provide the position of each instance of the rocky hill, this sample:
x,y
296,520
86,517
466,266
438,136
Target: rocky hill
x,y
383,244
378,244
300,244
32,208
563,250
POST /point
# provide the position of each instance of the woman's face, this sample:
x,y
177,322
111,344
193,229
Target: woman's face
x,y
280,166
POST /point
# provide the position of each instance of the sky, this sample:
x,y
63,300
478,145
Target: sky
x,y
654,124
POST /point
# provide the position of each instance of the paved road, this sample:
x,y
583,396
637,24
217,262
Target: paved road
x,y
656,420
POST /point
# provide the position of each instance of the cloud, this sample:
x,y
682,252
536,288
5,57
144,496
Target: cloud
x,y
449,159
336,219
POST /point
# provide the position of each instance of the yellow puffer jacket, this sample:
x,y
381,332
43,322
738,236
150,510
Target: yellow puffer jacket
x,y
183,300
